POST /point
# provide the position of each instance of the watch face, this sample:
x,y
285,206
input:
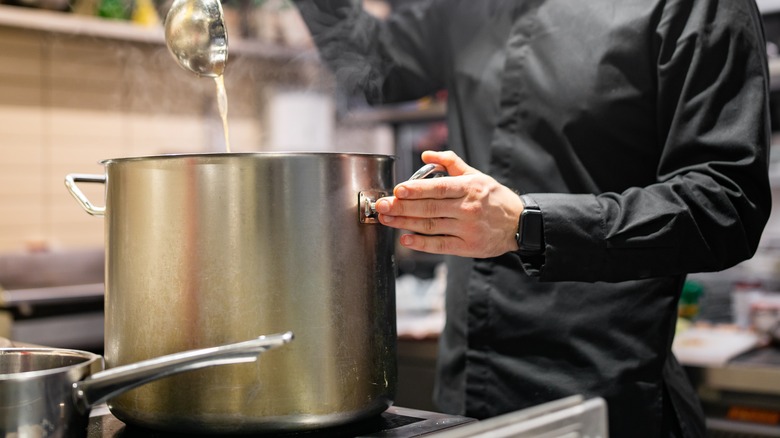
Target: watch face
x,y
531,237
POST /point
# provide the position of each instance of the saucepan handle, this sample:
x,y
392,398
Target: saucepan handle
x,y
104,385
70,183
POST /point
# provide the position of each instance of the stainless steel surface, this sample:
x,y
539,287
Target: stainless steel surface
x,y
43,394
206,249
104,385
427,170
36,385
70,183
196,36
367,202
568,417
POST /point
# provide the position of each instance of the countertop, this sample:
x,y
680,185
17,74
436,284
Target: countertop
x,y
74,24
755,371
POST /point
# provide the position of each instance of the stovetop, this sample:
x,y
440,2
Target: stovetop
x,y
394,422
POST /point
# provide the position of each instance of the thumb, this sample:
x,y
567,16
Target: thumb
x,y
450,160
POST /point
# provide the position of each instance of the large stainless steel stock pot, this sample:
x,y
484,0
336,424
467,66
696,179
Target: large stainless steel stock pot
x,y
207,249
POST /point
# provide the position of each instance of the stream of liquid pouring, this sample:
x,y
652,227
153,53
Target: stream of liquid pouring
x,y
222,103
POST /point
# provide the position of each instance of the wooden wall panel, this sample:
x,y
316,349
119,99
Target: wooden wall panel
x,y
68,101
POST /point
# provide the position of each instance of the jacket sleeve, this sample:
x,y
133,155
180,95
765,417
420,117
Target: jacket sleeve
x,y
388,60
712,198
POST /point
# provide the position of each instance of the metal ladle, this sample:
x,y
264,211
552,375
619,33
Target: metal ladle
x,y
196,36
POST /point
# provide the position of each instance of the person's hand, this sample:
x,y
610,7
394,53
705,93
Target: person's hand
x,y
467,214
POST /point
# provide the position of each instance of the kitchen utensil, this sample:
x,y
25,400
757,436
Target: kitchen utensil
x,y
285,234
196,36
432,170
48,392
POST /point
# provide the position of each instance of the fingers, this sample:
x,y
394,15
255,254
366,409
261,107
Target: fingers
x,y
434,188
438,188
420,203
467,213
433,244
450,160
429,216
428,226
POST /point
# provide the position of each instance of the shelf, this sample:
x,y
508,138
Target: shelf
x,y
65,23
73,24
401,113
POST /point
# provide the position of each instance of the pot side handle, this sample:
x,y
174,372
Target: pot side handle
x,y
104,385
70,183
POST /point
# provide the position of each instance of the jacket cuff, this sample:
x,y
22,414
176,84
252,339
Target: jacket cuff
x,y
574,237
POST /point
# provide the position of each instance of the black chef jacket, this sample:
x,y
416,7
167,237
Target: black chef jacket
x,y
640,127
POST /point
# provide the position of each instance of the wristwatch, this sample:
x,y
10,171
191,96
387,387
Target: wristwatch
x,y
530,236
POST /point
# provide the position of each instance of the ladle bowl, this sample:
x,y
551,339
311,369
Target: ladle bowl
x,y
196,36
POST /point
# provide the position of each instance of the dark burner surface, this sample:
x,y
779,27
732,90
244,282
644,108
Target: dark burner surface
x,y
395,422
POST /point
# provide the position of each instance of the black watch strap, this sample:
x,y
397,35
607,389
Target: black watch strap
x,y
530,236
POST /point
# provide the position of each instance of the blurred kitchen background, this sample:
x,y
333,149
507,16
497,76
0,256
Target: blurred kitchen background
x,y
86,80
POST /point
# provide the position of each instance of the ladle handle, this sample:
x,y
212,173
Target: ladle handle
x,y
368,204
70,183
104,385
427,170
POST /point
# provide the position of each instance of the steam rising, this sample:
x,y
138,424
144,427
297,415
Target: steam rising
x,y
347,42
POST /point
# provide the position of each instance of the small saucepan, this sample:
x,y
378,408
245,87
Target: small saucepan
x,y
48,392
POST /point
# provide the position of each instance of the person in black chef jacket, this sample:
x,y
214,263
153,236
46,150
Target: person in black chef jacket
x,y
637,133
